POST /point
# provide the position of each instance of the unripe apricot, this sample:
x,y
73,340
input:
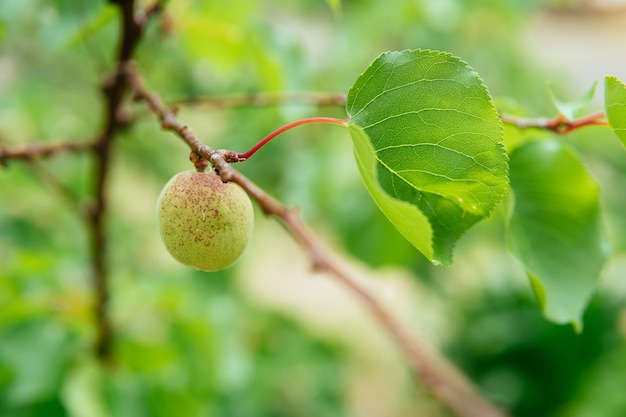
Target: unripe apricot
x,y
204,222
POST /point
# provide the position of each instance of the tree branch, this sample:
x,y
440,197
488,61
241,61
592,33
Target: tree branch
x,y
114,89
266,99
35,151
560,124
441,379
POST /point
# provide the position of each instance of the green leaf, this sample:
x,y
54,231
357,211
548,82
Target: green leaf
x,y
405,217
570,109
555,229
434,140
615,104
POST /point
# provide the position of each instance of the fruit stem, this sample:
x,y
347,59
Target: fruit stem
x,y
198,161
240,157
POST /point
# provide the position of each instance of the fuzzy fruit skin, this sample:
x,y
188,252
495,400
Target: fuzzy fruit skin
x,y
204,222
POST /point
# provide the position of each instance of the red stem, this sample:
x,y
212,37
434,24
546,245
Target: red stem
x,y
331,120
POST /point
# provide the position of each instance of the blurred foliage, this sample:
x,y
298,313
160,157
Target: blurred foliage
x,y
197,345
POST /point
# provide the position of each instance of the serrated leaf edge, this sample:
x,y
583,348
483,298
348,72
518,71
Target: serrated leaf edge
x,y
500,144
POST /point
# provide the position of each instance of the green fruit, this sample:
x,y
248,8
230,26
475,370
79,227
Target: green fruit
x,y
204,222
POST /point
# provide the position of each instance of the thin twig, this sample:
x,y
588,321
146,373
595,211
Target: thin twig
x,y
560,124
266,99
34,151
65,193
441,379
143,16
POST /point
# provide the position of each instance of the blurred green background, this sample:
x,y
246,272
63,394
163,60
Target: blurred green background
x,y
267,337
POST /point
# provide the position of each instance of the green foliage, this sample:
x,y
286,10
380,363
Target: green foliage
x,y
508,347
556,229
192,344
436,138
597,394
572,109
405,217
23,357
614,101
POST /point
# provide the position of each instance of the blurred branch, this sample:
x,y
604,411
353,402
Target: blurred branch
x,y
588,8
266,99
114,89
441,379
34,151
47,177
143,16
560,124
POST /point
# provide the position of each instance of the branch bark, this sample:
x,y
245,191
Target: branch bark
x,y
266,99
560,124
441,378
35,151
115,88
